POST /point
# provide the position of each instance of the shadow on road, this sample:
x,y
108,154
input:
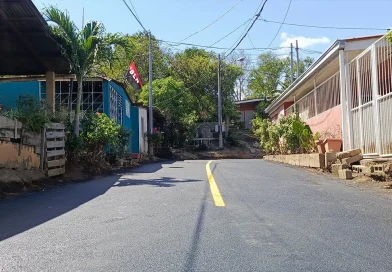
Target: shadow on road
x,y
151,168
190,263
28,211
25,212
160,182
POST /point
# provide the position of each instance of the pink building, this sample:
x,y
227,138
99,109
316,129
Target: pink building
x,y
346,94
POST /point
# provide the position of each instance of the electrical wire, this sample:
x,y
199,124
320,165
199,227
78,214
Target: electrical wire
x,y
251,41
250,21
137,19
243,37
224,37
137,15
280,27
220,17
318,26
170,43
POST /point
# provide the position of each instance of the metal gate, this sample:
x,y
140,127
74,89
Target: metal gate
x,y
369,85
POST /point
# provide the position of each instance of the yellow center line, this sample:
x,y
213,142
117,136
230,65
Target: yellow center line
x,y
214,188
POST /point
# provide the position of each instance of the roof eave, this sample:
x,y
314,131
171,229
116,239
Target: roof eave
x,y
334,48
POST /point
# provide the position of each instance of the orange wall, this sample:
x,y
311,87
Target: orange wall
x,y
9,155
328,123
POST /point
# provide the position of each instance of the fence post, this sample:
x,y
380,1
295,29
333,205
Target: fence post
x,y
349,107
360,108
374,63
343,100
315,97
42,149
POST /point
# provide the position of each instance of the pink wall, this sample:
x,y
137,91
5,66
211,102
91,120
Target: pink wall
x,y
276,113
328,123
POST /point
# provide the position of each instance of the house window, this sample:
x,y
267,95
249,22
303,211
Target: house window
x,y
116,105
113,103
119,109
127,108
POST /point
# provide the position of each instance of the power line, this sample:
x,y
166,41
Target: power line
x,y
170,43
318,26
243,37
137,19
224,37
250,21
130,1
280,27
220,17
251,41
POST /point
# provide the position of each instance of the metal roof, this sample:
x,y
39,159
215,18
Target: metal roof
x,y
249,101
26,47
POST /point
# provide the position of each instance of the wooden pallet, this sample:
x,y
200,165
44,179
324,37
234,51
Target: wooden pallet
x,y
54,149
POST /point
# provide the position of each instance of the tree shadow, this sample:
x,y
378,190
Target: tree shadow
x,y
28,211
190,263
159,182
24,212
151,168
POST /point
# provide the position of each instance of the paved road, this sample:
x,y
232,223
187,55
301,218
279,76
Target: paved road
x,y
162,217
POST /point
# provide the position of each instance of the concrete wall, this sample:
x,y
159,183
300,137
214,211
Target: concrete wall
x,y
10,91
307,160
328,123
9,156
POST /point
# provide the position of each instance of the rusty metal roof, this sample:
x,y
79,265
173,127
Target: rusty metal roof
x,y
26,48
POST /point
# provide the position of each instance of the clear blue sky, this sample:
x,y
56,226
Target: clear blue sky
x,y
174,20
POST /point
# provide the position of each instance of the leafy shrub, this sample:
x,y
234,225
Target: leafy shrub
x,y
30,111
290,135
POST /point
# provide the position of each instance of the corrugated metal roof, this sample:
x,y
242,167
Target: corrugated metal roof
x,y
26,47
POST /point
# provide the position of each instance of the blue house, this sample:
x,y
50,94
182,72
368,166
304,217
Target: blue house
x,y
99,95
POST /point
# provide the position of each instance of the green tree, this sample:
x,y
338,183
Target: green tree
x,y
266,79
198,70
121,58
83,48
272,75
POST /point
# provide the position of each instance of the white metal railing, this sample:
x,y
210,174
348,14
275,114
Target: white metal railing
x,y
306,106
328,94
324,97
369,81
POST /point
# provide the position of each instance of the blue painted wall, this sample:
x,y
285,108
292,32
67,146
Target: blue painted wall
x,y
131,122
10,91
135,146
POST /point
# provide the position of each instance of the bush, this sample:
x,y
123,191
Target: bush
x,y
291,135
31,112
99,132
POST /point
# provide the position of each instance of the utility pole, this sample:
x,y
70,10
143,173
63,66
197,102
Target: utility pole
x,y
151,120
291,62
297,49
220,104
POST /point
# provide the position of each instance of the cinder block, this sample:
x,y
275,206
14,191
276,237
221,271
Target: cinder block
x,y
330,158
351,160
361,169
349,153
377,168
337,167
345,174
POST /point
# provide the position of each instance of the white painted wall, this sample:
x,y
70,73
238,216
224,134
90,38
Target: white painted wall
x,y
143,145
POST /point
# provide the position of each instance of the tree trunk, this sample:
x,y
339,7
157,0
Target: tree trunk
x,y
227,126
78,102
70,98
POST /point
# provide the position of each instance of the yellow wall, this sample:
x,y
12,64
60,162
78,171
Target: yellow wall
x,y
9,156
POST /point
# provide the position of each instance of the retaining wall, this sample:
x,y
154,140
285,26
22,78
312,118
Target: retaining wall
x,y
307,160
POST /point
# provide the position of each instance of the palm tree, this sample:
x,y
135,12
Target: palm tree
x,y
84,48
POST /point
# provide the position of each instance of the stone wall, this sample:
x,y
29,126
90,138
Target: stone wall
x,y
307,160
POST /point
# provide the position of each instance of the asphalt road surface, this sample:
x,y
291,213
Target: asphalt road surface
x,y
163,217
